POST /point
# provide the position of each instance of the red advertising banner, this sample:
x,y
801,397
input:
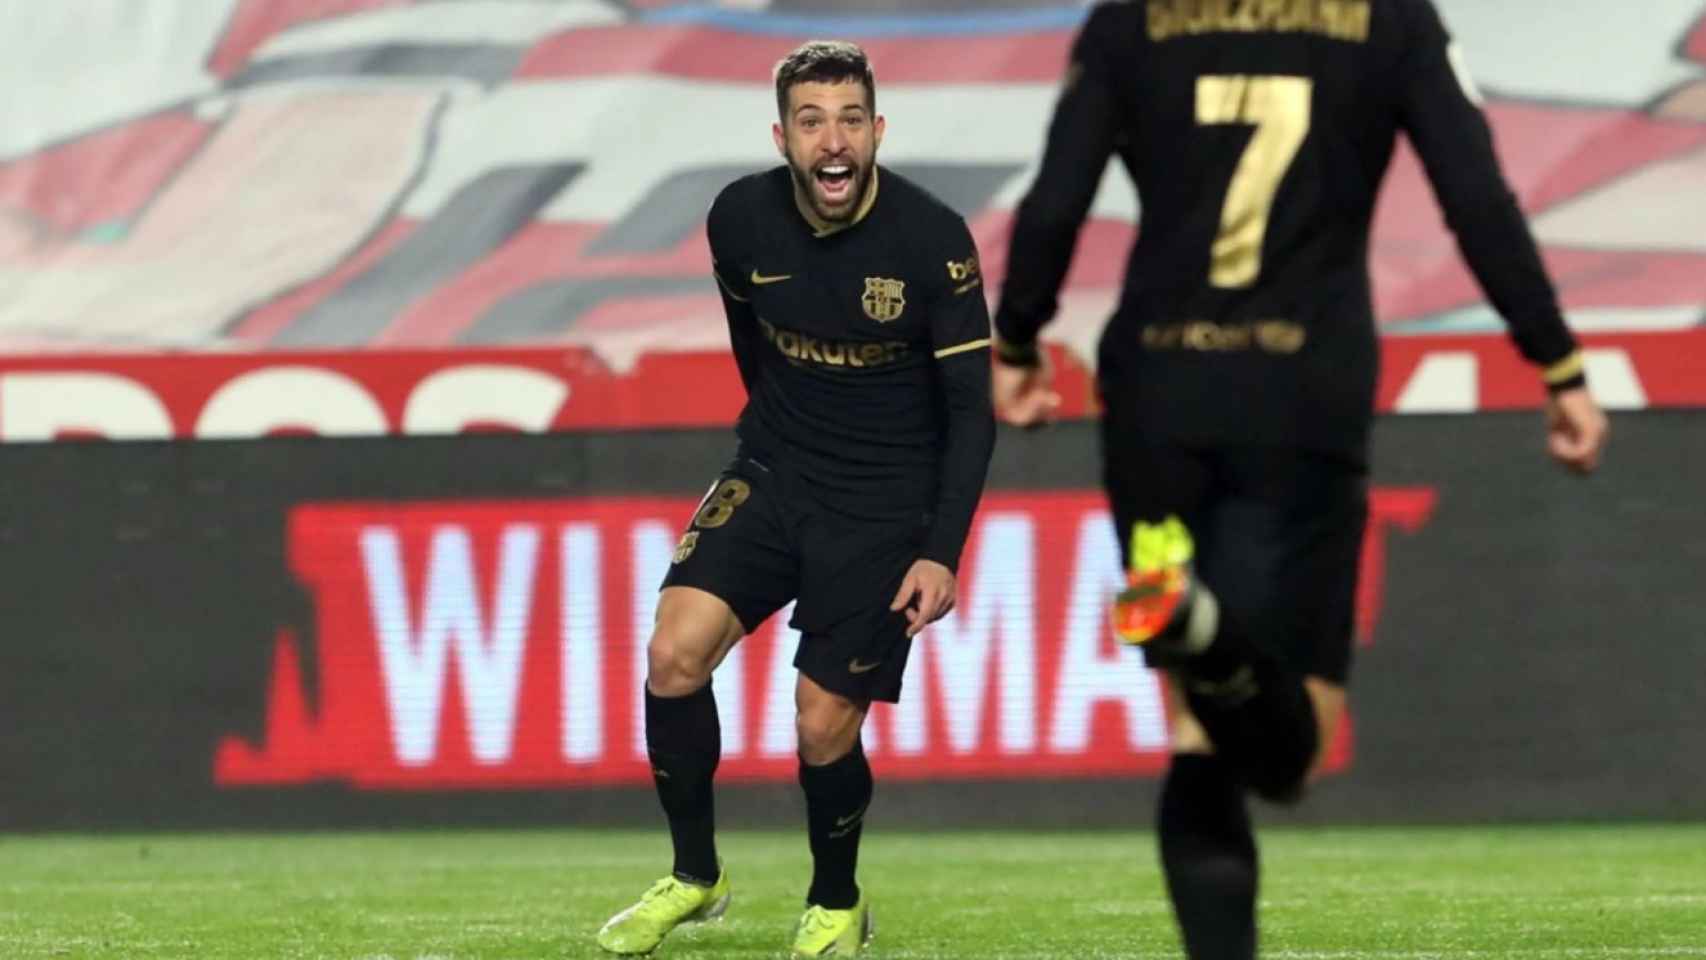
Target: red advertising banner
x,y
494,645
536,390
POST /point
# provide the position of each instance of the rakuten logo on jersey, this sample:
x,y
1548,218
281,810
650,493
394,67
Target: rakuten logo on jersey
x,y
503,645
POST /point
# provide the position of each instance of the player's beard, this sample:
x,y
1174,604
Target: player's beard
x,y
828,210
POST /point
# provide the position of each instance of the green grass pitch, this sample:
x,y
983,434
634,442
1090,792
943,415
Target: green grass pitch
x,y
1333,894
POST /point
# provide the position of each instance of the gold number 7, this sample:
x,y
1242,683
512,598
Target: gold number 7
x,y
1278,107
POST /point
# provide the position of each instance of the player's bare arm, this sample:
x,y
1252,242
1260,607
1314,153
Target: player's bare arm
x,y
1441,112
1081,138
960,342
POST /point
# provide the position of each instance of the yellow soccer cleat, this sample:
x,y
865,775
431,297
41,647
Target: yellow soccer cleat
x,y
834,933
1158,585
670,903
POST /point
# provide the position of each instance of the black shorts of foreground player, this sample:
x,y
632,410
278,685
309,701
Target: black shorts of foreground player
x,y
1237,372
858,322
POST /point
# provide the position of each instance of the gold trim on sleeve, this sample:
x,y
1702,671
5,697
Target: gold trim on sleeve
x,y
962,348
1565,369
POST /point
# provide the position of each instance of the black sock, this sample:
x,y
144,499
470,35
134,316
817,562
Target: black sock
x,y
685,741
836,797
1256,710
1209,856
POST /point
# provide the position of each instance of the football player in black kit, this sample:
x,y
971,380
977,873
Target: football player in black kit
x,y
1237,372
858,322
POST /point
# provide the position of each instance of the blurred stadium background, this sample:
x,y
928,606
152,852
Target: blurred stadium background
x,y
359,362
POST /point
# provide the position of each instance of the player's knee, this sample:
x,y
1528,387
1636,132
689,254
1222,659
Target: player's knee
x,y
677,666
694,630
827,731
1291,765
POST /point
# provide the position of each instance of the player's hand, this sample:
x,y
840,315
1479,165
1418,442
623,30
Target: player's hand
x,y
1024,396
1575,429
927,594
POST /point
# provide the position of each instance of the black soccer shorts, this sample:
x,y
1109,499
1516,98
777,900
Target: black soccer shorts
x,y
1278,535
760,539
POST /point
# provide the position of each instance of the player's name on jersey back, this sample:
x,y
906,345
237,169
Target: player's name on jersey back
x,y
1339,19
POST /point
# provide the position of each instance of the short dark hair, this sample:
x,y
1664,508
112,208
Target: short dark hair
x,y
824,61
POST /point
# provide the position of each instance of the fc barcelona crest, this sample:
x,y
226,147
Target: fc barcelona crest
x,y
884,299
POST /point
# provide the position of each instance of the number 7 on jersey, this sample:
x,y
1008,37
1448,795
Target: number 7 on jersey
x,y
1279,109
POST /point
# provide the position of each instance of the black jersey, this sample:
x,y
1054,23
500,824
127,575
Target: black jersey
x,y
864,349
1257,133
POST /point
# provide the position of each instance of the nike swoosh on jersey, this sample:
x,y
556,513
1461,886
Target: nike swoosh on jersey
x,y
760,280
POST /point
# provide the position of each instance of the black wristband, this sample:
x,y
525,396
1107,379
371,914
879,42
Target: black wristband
x,y
1018,354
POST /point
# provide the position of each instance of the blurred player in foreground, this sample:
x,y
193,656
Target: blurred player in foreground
x,y
1237,373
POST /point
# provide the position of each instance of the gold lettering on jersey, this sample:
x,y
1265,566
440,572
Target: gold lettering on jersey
x,y
964,273
858,354
959,271
1346,20
884,299
1162,337
1279,337
684,549
1206,337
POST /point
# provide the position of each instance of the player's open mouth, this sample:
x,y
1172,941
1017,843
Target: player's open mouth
x,y
836,181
